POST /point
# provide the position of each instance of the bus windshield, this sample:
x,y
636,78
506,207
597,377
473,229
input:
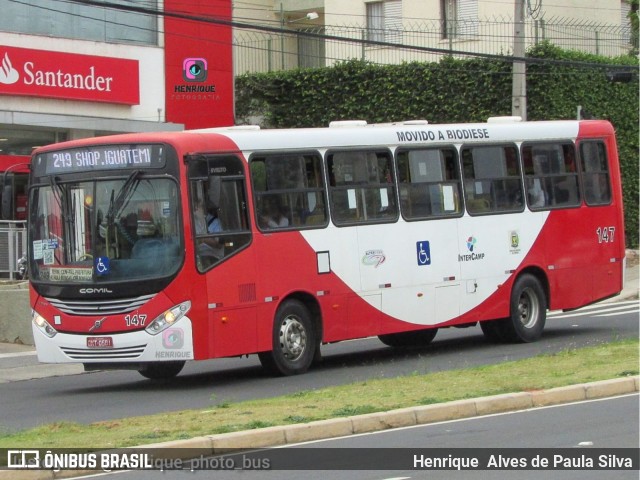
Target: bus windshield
x,y
105,230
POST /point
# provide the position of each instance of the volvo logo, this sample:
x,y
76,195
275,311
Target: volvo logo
x,y
95,290
98,324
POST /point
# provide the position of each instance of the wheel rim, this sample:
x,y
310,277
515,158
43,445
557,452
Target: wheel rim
x,y
293,338
528,308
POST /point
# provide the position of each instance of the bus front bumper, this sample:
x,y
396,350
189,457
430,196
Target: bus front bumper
x,y
173,344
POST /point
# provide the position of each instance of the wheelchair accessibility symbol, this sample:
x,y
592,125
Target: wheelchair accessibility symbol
x,y
423,253
102,265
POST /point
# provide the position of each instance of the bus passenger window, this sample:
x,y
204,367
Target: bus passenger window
x,y
492,182
550,174
288,191
595,173
429,183
362,189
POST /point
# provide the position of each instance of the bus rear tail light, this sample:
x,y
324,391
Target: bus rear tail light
x,y
42,324
168,318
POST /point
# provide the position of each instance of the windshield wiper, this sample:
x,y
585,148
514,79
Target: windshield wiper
x,y
58,193
119,201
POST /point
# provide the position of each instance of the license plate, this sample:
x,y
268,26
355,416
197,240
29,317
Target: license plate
x,y
99,342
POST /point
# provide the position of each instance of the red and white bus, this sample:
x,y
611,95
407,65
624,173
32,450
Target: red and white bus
x,y
148,250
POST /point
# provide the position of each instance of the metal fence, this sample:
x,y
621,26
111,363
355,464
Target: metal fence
x,y
258,51
13,243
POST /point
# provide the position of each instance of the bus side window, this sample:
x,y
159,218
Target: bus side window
x,y
595,173
492,181
429,183
551,177
362,187
288,190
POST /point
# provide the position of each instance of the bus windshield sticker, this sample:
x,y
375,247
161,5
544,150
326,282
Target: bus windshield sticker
x,y
102,266
166,209
48,256
37,250
63,274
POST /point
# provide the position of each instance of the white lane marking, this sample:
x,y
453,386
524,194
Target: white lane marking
x,y
17,354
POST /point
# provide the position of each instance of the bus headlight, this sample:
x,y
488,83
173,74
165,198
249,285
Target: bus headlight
x,y
168,318
42,324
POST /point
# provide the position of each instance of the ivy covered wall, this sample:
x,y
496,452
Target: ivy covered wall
x,y
469,90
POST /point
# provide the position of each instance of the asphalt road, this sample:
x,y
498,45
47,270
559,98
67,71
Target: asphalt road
x,y
110,395
570,430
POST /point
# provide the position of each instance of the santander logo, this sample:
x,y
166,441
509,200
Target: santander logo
x,y
8,74
65,75
54,78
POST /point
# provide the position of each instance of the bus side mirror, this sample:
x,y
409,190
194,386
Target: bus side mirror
x,y
7,203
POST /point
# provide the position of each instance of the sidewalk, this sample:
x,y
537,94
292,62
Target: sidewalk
x,y
19,362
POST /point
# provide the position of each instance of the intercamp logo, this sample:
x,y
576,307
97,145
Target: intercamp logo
x,y
8,74
473,255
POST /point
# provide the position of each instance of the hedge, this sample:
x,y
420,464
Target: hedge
x,y
453,90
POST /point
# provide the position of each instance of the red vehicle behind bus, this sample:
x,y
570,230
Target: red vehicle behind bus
x,y
148,250
14,175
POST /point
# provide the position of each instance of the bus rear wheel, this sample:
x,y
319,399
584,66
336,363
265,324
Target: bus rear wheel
x,y
417,338
294,341
528,311
161,370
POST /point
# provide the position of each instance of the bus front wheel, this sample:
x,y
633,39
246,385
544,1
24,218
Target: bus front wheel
x,y
161,370
294,341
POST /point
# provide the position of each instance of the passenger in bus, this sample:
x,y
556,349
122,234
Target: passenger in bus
x,y
210,249
274,216
213,221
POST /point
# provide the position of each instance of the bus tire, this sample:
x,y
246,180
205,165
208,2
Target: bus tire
x,y
161,370
528,309
416,338
295,341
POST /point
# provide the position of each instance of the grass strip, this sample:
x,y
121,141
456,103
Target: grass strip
x,y
572,366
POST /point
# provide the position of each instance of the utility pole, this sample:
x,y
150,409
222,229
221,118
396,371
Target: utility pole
x,y
281,36
519,82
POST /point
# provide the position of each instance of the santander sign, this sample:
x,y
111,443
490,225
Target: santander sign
x,y
68,76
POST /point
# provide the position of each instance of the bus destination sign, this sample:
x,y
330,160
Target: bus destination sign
x,y
100,157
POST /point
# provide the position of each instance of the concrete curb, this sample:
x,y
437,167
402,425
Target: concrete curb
x,y
406,417
341,427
